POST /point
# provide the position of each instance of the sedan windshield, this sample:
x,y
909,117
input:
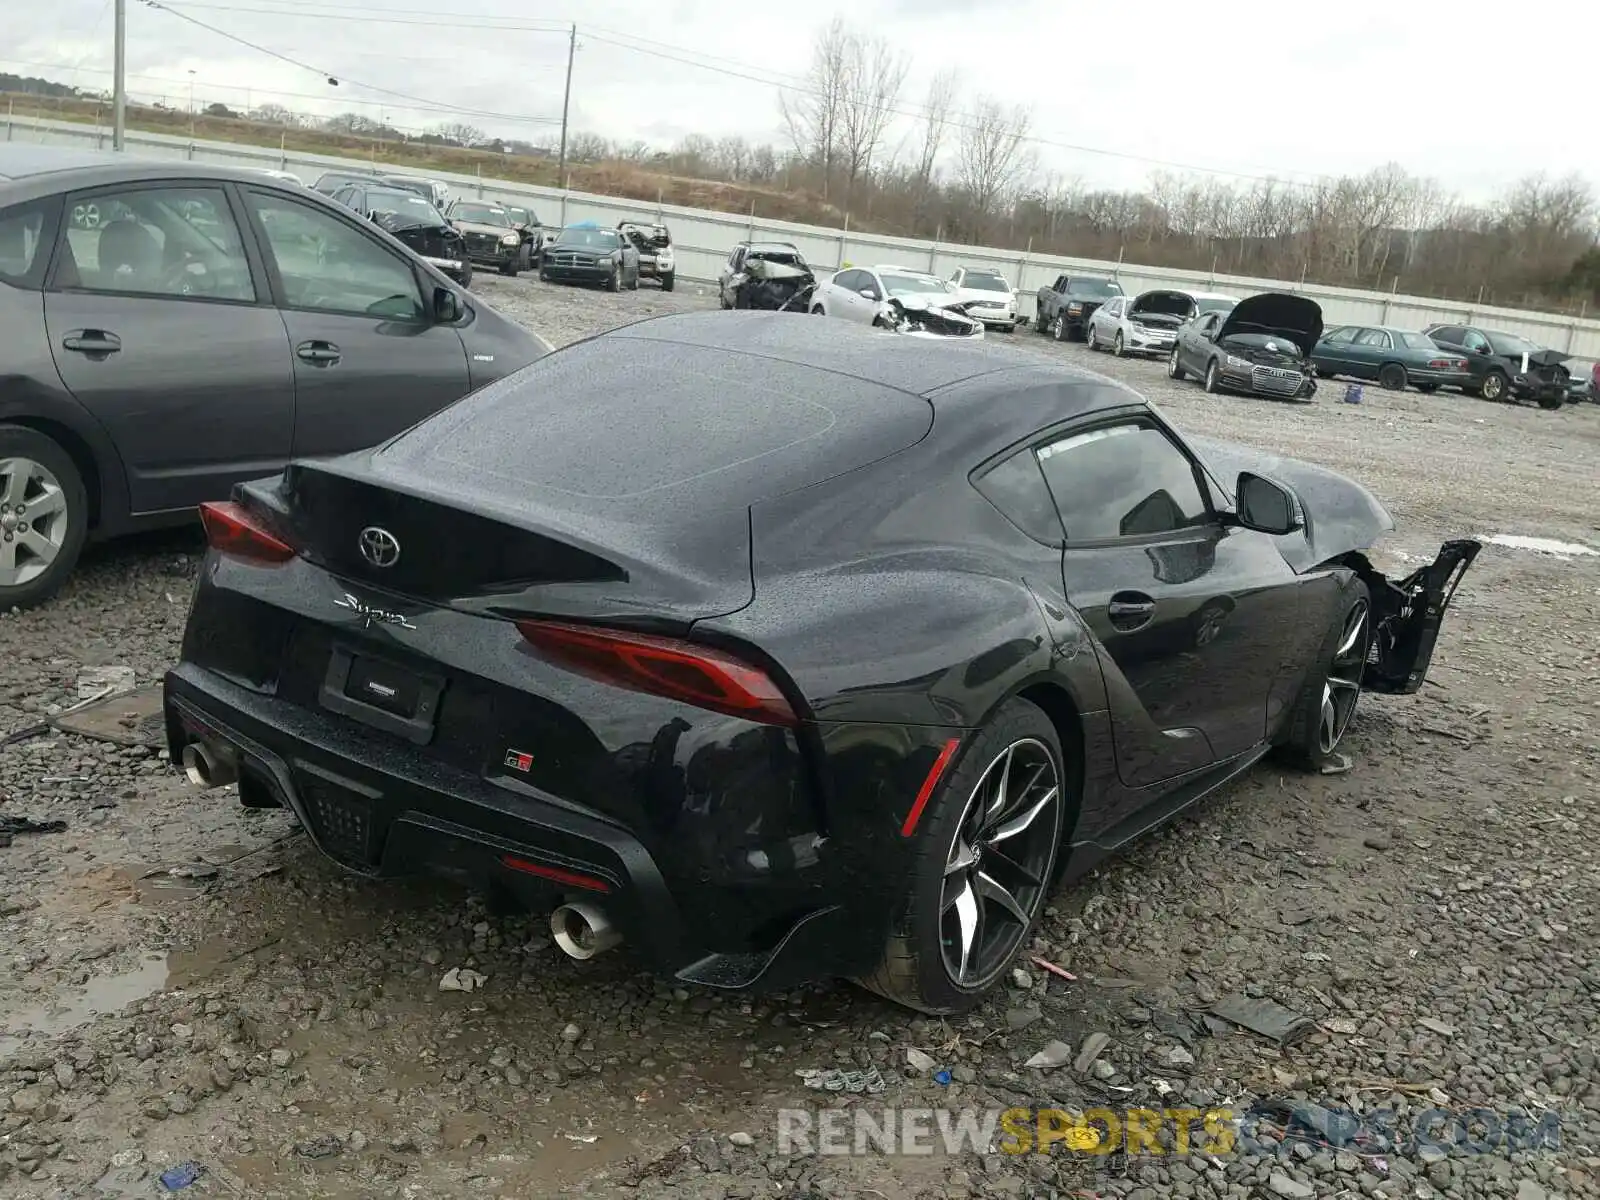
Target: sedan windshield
x,y
1510,343
483,214
405,210
985,282
914,285
594,239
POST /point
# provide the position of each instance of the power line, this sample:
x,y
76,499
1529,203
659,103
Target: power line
x,y
262,92
623,41
332,79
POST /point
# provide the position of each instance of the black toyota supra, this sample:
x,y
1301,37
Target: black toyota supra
x,y
818,654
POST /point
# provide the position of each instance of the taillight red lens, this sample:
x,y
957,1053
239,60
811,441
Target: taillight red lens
x,y
678,670
231,530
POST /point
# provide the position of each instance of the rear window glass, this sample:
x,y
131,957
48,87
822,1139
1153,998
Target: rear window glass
x,y
720,435
25,234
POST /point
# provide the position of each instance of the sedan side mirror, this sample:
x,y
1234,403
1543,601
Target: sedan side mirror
x,y
868,293
1483,350
1267,507
446,306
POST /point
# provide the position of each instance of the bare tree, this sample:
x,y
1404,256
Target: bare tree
x,y
812,112
873,77
459,133
275,114
943,89
993,154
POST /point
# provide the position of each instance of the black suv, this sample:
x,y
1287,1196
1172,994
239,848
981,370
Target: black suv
x,y
1506,366
172,329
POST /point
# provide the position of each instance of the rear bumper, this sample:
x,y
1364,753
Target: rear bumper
x,y
382,809
1451,379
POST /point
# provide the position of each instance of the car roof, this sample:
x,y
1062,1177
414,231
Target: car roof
x,y
952,375
30,170
771,246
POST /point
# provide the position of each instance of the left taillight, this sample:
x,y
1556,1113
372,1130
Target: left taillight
x,y
669,667
231,529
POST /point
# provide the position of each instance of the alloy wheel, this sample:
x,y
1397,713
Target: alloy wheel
x,y
996,872
1492,386
1172,364
33,520
1116,345
1342,688
1055,327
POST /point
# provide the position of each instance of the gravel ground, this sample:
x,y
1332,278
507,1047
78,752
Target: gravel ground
x,y
183,980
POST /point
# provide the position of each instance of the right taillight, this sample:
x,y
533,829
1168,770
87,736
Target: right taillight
x,y
232,530
669,667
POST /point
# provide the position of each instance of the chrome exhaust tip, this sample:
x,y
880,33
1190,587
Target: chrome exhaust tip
x,y
582,931
208,767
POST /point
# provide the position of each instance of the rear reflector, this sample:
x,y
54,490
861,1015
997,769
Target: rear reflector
x,y
935,773
577,879
677,670
232,530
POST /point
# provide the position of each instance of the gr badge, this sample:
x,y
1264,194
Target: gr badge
x,y
516,760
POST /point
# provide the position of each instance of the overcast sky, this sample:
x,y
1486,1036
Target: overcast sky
x,y
1161,84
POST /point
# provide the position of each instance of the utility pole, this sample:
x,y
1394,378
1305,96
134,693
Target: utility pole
x,y
566,105
119,77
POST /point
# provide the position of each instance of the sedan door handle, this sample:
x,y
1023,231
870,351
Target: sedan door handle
x,y
319,352
1130,610
91,341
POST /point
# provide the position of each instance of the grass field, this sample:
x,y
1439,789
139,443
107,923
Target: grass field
x,y
622,180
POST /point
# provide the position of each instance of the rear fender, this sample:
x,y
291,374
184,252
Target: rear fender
x,y
1407,615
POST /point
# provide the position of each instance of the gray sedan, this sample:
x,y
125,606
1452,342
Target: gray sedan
x,y
173,329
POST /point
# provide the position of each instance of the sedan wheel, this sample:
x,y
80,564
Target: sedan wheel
x,y
1327,701
1174,367
1211,383
1058,328
983,868
1116,345
1494,386
1392,378
43,516
1089,338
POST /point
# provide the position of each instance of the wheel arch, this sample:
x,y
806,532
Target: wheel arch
x,y
1058,704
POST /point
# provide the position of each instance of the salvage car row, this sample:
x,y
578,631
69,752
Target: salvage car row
x,y
839,676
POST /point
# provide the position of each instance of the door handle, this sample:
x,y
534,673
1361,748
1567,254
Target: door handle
x,y
1130,610
91,341
318,352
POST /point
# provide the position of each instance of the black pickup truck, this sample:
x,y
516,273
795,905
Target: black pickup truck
x,y
1065,306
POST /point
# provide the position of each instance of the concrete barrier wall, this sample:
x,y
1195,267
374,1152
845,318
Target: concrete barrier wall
x,y
704,239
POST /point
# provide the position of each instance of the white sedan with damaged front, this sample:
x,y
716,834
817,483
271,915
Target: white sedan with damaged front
x,y
896,298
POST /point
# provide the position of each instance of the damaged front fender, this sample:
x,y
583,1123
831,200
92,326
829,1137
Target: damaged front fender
x,y
1407,615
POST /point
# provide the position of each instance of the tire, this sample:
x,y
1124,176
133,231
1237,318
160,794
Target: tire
x,y
633,286
614,281
1306,742
510,269
1551,403
1174,367
920,965
667,281
819,311
544,276
1392,377
466,275
34,563
1427,389
1045,328
1494,386
1118,350
1212,383
1089,339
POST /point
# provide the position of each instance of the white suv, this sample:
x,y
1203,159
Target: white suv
x,y
995,301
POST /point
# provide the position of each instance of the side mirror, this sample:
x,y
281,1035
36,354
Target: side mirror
x,y
446,306
1267,507
1483,350
867,292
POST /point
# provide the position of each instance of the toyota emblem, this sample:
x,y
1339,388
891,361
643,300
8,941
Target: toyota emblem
x,y
379,547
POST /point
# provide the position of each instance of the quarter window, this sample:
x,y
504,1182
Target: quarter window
x,y
327,265
1122,481
26,231
180,242
1340,337
1017,488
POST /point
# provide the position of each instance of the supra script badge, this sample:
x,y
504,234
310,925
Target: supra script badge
x,y
372,615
